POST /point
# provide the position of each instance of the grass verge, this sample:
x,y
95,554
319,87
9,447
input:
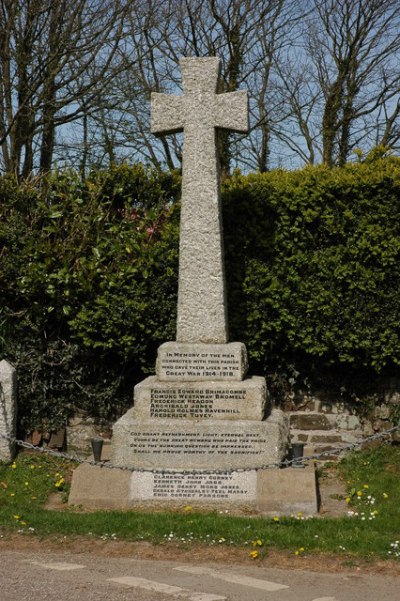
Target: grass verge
x,y
370,530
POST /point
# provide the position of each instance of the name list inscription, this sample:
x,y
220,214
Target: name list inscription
x,y
196,364
199,403
198,486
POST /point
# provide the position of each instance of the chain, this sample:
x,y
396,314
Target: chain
x,y
286,463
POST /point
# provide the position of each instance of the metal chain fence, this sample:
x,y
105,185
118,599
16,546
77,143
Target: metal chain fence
x,y
285,463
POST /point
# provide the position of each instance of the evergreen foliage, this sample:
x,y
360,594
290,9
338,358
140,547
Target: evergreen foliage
x,y
89,278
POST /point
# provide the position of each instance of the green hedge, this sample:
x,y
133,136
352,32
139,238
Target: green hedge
x,y
320,267
89,273
89,278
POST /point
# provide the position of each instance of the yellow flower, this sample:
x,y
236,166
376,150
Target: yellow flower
x,y
33,497
12,494
297,552
359,493
33,467
23,523
26,483
14,466
385,495
348,499
276,519
16,517
257,543
365,486
301,549
188,508
254,554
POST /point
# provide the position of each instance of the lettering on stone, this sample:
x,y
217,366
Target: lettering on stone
x,y
187,403
218,365
197,486
196,443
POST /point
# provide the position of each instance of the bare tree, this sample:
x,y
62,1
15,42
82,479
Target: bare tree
x,y
345,91
56,57
246,34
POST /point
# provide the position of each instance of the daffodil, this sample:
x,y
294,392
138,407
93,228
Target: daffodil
x,y
254,554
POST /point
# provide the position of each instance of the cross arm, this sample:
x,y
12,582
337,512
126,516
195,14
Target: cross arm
x,y
232,111
167,114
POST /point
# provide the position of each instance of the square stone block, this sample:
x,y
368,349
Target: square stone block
x,y
201,362
98,487
287,491
199,444
244,400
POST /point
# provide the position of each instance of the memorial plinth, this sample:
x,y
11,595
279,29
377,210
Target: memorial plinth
x,y
200,429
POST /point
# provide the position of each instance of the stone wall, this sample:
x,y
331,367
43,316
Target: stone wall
x,y
320,421
324,423
81,429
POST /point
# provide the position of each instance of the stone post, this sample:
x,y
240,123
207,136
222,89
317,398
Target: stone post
x,y
8,409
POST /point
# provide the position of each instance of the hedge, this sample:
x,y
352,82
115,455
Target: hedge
x,y
89,278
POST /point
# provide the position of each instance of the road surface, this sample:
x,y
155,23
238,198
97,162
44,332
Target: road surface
x,y
64,576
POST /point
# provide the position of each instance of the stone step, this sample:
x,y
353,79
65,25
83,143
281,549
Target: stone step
x,y
313,420
242,400
199,444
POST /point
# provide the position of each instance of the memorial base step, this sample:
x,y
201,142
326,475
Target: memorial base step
x,y
199,444
243,400
272,492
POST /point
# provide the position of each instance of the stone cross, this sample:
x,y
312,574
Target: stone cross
x,y
201,292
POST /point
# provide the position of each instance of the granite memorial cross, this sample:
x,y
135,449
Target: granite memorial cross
x,y
199,410
201,292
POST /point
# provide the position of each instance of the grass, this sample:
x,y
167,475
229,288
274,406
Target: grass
x,y
370,530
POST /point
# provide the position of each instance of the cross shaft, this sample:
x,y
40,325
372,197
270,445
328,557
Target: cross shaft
x,y
201,290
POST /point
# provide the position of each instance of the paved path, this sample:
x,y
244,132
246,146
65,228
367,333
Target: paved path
x,y
64,576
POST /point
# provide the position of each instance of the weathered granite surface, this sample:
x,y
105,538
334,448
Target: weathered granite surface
x,y
201,400
198,444
194,362
201,291
8,409
199,413
232,488
265,492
